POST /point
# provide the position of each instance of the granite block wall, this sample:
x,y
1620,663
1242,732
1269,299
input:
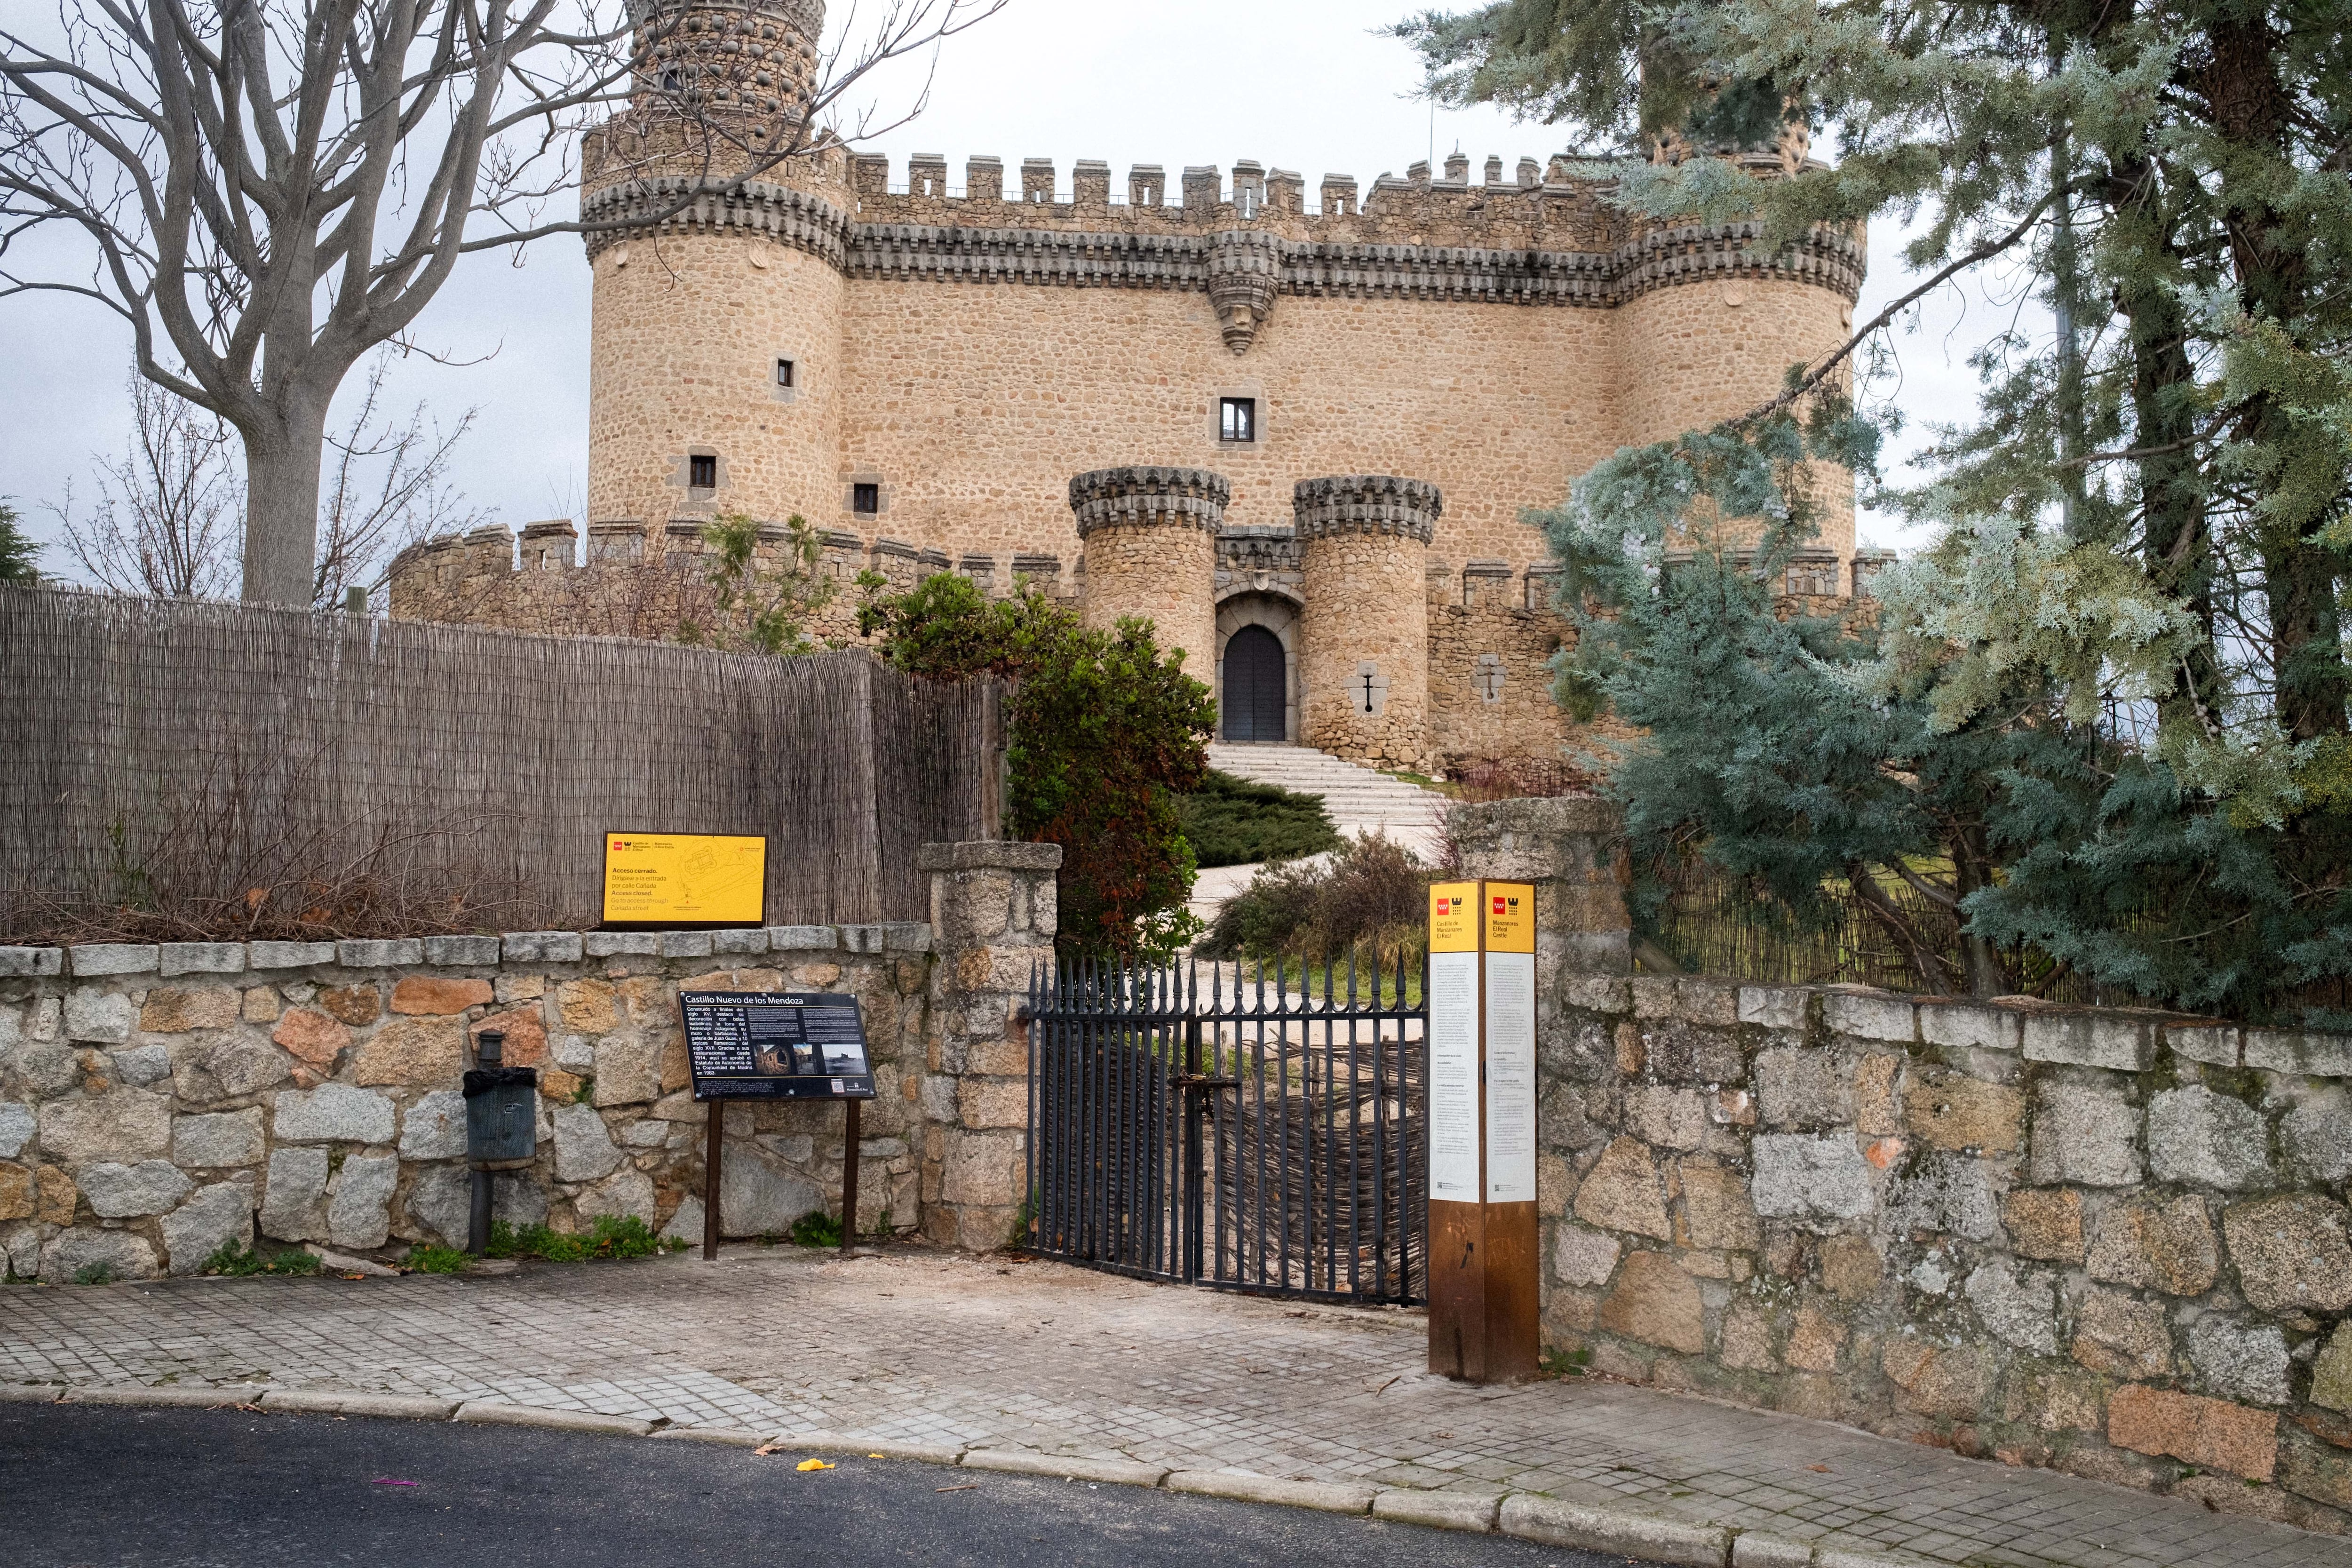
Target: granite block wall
x,y
157,1101
2109,1242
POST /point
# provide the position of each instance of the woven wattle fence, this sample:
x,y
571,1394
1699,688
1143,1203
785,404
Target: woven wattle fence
x,y
178,771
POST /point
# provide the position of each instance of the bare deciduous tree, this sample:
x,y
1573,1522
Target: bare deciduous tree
x,y
166,518
269,188
386,488
166,521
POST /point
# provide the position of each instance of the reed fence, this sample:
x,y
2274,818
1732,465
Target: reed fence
x,y
1714,925
185,771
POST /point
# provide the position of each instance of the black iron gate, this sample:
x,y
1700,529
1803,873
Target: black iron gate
x,y
1195,1124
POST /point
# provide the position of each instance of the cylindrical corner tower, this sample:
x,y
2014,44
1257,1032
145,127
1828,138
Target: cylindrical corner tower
x,y
1709,325
715,360
1364,630
1151,538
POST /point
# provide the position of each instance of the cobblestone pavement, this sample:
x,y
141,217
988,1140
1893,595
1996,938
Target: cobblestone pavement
x,y
922,1347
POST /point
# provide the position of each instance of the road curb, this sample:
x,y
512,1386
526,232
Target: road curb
x,y
1439,1511
1028,1462
1552,1522
1754,1549
167,1397
1327,1496
868,1447
720,1437
1530,1516
1844,1557
340,1402
497,1413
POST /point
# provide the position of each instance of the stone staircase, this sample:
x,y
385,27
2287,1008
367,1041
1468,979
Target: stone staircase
x,y
1359,799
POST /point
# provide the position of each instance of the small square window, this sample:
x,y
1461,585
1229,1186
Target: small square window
x,y
702,472
866,501
784,372
1237,419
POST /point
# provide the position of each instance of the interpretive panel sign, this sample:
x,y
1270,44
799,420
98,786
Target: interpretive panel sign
x,y
1510,1043
689,882
775,1045
1453,1043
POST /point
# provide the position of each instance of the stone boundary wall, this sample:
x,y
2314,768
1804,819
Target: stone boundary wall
x,y
2113,1243
2109,1242
157,1101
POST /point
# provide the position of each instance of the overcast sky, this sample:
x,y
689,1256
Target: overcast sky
x,y
1295,84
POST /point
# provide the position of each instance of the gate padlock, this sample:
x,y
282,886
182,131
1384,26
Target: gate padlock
x,y
502,1109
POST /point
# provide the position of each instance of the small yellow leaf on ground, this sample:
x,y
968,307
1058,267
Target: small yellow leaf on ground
x,y
812,1465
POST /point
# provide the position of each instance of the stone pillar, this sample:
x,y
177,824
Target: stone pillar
x,y
1567,847
1364,630
992,918
1150,536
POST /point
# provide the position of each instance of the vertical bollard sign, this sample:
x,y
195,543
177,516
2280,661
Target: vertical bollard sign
x,y
1482,1130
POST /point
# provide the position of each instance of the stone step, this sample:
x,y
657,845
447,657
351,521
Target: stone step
x,y
1356,797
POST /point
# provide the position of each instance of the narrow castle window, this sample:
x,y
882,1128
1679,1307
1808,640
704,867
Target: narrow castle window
x,y
1237,419
702,471
866,501
783,372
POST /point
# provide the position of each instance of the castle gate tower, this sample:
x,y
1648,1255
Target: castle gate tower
x,y
1364,629
1150,542
716,363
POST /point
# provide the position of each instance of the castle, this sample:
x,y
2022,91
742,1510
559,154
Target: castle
x,y
1181,400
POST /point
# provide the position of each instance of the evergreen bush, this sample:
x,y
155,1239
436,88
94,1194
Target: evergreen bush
x,y
1231,821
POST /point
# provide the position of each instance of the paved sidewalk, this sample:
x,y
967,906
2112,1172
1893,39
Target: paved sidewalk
x,y
916,1347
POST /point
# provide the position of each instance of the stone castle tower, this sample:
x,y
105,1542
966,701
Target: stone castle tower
x,y
1302,432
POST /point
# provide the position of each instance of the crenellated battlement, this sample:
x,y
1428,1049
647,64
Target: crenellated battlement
x,y
1552,240
636,580
1206,196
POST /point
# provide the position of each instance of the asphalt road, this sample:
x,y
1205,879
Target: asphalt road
x,y
177,1488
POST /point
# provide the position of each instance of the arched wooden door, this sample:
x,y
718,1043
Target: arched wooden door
x,y
1255,687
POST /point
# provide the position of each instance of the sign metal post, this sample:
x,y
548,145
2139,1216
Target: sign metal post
x,y
714,1139
1483,1247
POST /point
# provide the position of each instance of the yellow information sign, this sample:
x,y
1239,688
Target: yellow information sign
x,y
678,880
1454,917
1510,917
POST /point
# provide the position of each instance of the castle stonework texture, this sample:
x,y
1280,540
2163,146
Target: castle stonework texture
x,y
918,369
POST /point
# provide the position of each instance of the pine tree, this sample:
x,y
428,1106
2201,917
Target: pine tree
x,y
2106,717
17,550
